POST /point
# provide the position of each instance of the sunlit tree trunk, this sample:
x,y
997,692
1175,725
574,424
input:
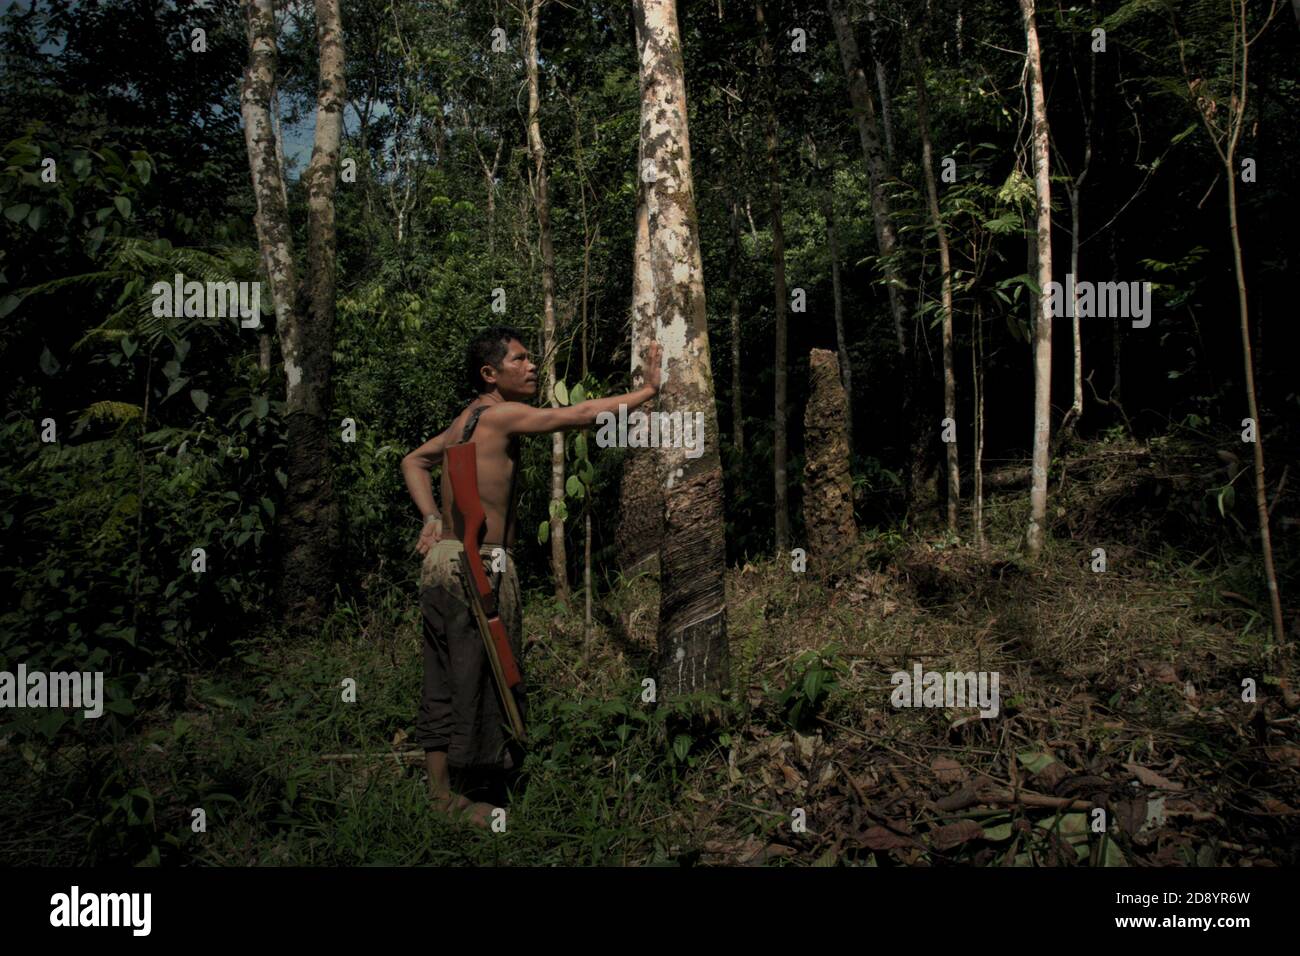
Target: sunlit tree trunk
x,y
693,653
1043,317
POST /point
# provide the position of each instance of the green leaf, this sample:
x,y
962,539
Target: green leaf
x,y
998,833
561,393
580,445
36,218
199,398
1035,762
261,406
682,746
8,304
129,347
558,511
123,206
1227,498
812,683
142,169
50,365
18,212
121,706
578,394
543,532
573,487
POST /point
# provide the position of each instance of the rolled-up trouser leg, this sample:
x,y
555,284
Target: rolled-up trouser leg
x,y
460,709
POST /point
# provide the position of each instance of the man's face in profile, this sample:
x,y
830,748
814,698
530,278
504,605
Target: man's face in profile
x,y
516,379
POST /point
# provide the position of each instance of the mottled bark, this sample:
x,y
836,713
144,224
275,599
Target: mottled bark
x,y
945,270
541,187
780,454
309,521
693,654
828,486
641,513
1043,313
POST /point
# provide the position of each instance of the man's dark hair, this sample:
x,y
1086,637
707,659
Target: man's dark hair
x,y
487,348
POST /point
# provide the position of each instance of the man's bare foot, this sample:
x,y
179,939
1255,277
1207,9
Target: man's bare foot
x,y
460,808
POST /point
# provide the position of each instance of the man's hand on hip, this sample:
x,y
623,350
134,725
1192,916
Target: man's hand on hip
x,y
430,536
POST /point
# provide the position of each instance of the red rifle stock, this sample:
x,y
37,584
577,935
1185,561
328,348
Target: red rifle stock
x,y
462,467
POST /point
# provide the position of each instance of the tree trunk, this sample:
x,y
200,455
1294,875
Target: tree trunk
x,y
945,270
1071,421
693,654
1043,318
779,439
841,345
641,513
309,521
864,113
977,361
828,486
882,85
559,562
733,282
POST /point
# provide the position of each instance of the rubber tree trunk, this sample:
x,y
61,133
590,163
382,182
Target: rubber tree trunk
x,y
641,518
309,523
1043,316
541,187
693,653
780,453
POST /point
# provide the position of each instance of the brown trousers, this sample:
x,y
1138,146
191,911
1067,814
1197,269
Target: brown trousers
x,y
460,710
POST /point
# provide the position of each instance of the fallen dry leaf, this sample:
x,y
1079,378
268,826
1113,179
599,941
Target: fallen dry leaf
x,y
955,834
1152,779
1286,755
882,838
947,770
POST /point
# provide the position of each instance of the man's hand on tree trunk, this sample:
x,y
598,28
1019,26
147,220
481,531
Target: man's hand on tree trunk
x,y
650,365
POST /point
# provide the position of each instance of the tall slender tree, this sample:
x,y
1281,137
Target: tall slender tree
x,y
693,654
550,340
945,271
780,454
310,520
1223,114
1043,314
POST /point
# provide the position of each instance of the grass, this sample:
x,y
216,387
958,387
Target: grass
x,y
1140,666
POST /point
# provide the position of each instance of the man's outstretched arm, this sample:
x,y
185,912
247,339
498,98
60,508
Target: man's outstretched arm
x,y
516,418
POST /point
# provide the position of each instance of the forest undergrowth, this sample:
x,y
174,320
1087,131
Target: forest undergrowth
x,y
1126,690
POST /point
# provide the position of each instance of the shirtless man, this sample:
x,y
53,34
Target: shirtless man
x,y
461,721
